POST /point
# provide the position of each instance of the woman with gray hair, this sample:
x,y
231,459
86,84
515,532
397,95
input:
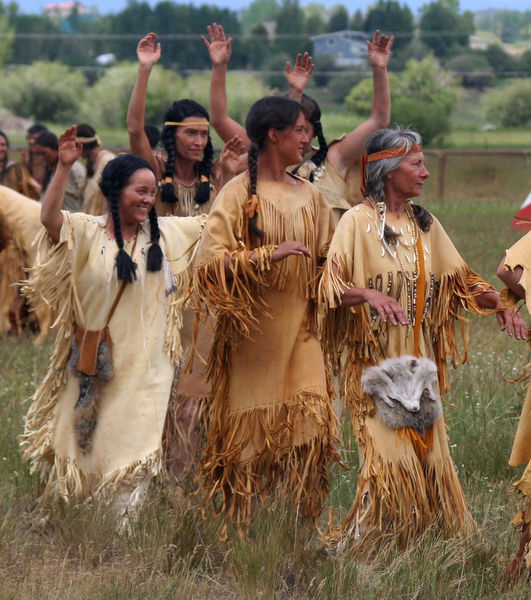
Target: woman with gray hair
x,y
391,296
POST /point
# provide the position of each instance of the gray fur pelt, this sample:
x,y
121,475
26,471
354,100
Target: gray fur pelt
x,y
86,407
404,392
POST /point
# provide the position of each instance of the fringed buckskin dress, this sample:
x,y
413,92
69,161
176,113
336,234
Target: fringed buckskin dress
x,y
271,422
77,278
406,481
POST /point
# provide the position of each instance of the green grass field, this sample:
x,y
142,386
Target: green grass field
x,y
173,553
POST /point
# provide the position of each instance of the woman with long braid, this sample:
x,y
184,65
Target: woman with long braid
x,y
331,167
271,423
188,181
117,283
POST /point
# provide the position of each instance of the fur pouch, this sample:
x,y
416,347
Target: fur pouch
x,y
404,393
91,361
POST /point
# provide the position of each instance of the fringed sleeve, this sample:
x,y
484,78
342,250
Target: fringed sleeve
x,y
233,297
50,282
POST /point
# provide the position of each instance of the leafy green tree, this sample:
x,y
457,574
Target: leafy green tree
x,y
499,60
44,91
524,64
441,27
316,18
421,97
290,26
473,69
510,106
391,18
6,39
338,18
358,22
259,11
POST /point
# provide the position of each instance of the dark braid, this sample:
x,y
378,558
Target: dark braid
x,y
115,176
252,158
313,114
423,217
319,157
154,256
168,189
203,189
125,266
177,112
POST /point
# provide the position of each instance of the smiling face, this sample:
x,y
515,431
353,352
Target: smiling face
x,y
190,142
137,197
291,142
407,181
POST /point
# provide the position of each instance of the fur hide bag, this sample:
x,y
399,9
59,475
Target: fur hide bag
x,y
86,407
404,392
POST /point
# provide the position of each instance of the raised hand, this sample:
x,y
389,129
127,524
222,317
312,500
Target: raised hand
x,y
298,77
69,149
233,157
290,248
379,50
218,46
147,51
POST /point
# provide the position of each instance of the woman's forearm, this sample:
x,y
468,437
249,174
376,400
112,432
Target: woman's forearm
x,y
225,127
52,201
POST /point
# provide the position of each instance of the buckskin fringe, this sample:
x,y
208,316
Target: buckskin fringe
x,y
236,298
250,453
350,328
398,500
67,481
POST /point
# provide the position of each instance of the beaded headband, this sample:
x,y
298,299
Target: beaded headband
x,y
185,123
388,153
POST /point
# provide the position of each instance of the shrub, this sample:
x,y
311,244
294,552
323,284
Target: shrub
x,y
421,98
243,90
510,106
107,101
44,91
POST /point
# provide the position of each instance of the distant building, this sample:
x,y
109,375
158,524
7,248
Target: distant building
x,y
477,43
64,9
348,48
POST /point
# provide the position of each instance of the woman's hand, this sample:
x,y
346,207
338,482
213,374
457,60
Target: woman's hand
x,y
379,50
289,248
218,46
298,77
233,157
148,52
69,149
387,307
511,322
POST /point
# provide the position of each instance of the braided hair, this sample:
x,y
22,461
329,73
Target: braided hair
x,y
272,112
313,114
177,112
377,170
115,176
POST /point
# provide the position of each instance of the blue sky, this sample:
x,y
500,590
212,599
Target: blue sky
x,y
105,6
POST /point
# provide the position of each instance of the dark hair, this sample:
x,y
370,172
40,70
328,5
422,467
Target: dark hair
x,y
86,131
6,159
313,114
47,139
115,176
377,170
176,113
37,128
153,135
272,112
